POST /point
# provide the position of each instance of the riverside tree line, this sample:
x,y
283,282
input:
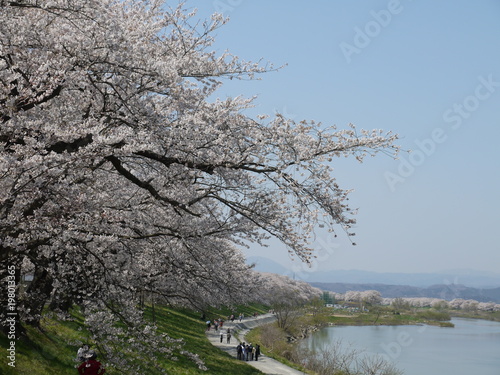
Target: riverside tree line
x,y
373,297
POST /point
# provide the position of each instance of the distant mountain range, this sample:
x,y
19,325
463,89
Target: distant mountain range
x,y
467,284
470,278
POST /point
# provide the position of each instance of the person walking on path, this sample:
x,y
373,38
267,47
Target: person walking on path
x,y
239,351
257,352
244,347
247,352
228,335
221,335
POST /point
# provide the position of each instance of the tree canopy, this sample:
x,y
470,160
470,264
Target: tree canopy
x,y
122,173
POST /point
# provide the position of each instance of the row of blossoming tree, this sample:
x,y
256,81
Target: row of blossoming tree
x,y
374,297
123,176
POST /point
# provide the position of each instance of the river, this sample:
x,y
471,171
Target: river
x,y
471,347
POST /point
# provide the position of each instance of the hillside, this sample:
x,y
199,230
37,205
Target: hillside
x,y
471,278
446,292
53,350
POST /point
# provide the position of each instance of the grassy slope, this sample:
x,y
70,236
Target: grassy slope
x,y
53,350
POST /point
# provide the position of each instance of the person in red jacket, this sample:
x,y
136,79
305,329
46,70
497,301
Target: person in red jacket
x,y
91,366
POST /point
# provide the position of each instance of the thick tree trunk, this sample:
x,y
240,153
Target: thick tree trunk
x,y
61,303
37,295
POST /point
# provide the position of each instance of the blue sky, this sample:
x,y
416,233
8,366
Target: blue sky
x,y
427,70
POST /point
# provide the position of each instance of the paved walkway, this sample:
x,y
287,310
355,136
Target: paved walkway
x,y
238,331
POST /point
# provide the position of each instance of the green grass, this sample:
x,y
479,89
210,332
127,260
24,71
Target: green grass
x,y
247,310
371,319
52,350
387,317
488,315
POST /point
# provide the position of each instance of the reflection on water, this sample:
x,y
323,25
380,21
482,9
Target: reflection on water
x,y
472,347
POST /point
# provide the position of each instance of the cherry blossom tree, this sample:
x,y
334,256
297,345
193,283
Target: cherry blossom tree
x,y
366,297
291,291
287,297
352,296
122,175
371,297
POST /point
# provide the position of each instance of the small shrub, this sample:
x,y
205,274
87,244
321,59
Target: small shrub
x,y
434,315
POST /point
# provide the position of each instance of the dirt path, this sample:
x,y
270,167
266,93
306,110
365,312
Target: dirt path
x,y
265,364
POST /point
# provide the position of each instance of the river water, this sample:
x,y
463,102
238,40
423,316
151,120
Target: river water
x,y
471,347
